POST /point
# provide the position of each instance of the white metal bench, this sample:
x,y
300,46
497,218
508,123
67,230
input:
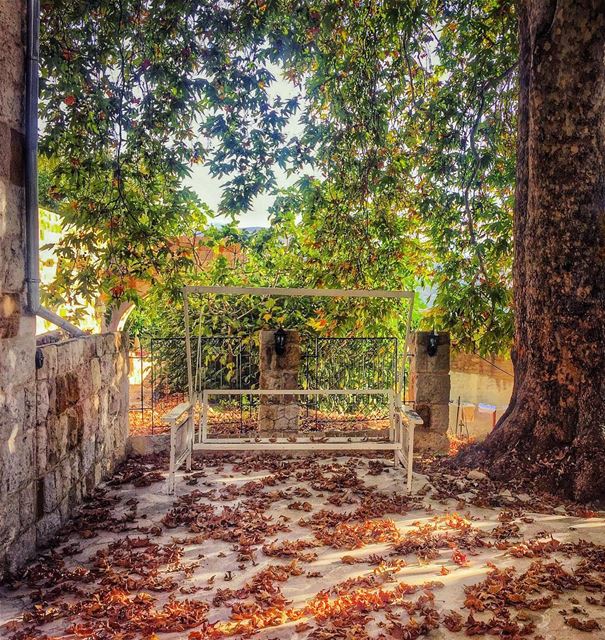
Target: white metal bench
x,y
184,439
185,436
180,420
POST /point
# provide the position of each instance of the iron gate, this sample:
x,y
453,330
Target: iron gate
x,y
233,363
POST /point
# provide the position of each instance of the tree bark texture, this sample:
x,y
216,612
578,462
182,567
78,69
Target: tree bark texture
x,y
554,428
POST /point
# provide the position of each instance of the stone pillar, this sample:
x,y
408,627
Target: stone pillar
x,y
430,390
279,412
17,329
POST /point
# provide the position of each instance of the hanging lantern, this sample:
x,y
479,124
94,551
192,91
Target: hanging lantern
x,y
432,344
280,341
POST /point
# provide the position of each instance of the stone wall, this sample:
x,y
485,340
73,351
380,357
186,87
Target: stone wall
x,y
279,412
430,390
82,422
80,415
17,330
64,425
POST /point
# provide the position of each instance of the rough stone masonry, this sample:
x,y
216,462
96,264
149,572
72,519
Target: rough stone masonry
x,y
77,419
279,412
430,390
17,330
63,426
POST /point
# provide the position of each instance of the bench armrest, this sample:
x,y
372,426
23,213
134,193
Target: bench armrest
x,y
411,416
172,417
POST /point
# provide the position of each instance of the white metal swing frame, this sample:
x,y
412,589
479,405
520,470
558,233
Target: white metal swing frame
x,y
184,438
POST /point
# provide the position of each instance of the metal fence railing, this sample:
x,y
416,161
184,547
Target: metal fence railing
x,y
159,374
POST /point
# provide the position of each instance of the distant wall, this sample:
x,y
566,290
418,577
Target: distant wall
x,y
475,380
80,415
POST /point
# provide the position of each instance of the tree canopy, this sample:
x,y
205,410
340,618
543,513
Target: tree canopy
x,y
404,148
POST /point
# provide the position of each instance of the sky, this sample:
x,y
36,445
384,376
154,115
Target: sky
x,y
208,188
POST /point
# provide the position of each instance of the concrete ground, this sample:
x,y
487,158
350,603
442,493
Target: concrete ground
x,y
315,547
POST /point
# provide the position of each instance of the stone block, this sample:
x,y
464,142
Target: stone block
x,y
16,361
75,426
64,357
87,453
27,506
74,462
12,66
423,362
91,418
9,516
98,473
30,408
75,495
278,379
4,163
100,447
103,411
11,198
64,510
427,440
90,348
57,434
269,359
12,264
115,401
21,549
43,401
11,91
10,313
109,343
27,326
12,19
282,417
47,527
108,370
64,480
77,352
51,387
42,447
17,456
17,159
430,388
99,346
435,416
84,380
95,375
12,411
51,490
440,417
90,480
68,391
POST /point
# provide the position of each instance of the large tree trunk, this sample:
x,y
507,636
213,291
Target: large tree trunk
x,y
554,429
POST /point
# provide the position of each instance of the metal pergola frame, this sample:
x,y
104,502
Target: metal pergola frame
x,y
183,438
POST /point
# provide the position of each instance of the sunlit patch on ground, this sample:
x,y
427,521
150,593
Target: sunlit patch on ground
x,y
322,548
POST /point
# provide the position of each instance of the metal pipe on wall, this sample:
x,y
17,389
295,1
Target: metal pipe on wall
x,y
32,225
